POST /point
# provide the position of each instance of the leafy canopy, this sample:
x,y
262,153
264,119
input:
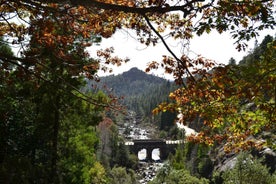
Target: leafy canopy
x,y
236,103
66,28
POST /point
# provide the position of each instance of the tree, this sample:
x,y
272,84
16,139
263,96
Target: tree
x,y
97,174
112,152
38,89
177,176
248,170
257,52
104,17
119,175
235,103
232,61
78,142
167,120
22,146
44,139
55,85
65,28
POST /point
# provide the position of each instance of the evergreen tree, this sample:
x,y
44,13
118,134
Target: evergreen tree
x,y
248,170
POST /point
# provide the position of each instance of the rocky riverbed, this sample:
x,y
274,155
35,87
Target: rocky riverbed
x,y
131,131
147,171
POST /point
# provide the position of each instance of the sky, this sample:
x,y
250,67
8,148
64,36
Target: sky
x,y
215,46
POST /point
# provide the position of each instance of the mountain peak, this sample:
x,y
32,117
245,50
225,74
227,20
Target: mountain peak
x,y
134,74
133,71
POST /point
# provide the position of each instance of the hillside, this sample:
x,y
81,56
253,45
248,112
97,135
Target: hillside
x,y
141,92
132,83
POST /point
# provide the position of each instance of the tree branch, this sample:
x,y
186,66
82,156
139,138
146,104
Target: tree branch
x,y
128,9
186,7
168,48
16,61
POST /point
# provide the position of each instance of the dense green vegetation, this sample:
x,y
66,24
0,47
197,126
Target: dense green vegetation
x,y
173,176
248,170
195,161
140,93
47,130
51,131
48,133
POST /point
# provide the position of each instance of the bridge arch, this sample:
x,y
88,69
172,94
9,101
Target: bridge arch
x,y
155,154
147,151
164,147
142,154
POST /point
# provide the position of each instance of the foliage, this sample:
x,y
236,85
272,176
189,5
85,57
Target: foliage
x,y
111,151
183,176
64,29
193,158
78,143
248,170
5,48
26,137
167,120
174,176
18,133
45,127
178,160
97,174
138,92
119,175
233,105
39,84
51,42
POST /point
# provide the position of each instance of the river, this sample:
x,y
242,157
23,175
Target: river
x,y
147,170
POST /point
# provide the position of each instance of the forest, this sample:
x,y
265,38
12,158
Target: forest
x,y
58,126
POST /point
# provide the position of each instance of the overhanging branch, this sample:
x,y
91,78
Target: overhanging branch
x,y
74,91
167,47
129,9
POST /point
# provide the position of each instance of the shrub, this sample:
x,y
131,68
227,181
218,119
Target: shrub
x,y
173,176
248,170
119,175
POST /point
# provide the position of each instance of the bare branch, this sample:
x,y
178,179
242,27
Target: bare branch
x,y
167,47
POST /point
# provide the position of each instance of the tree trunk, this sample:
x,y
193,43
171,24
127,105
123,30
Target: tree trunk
x,y
55,139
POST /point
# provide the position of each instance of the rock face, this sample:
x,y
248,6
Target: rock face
x,y
224,162
269,158
228,163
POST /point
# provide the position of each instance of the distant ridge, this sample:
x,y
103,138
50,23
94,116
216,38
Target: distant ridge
x,y
132,82
134,74
141,92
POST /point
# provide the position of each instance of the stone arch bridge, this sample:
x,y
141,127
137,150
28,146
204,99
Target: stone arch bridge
x,y
165,147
